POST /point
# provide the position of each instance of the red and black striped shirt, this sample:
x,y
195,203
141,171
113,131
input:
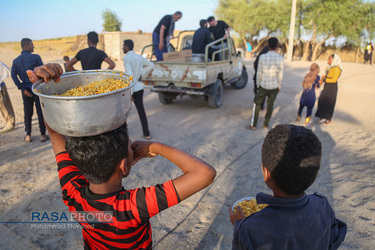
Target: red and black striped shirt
x,y
131,209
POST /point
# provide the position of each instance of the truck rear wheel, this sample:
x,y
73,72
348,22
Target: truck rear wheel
x,y
242,80
215,99
164,99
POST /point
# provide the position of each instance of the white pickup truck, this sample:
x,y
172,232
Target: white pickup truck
x,y
198,76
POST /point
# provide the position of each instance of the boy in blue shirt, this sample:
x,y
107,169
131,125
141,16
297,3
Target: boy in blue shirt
x,y
293,220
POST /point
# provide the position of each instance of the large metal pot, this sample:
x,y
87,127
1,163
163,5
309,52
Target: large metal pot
x,y
84,115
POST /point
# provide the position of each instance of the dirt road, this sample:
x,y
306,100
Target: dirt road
x,y
29,182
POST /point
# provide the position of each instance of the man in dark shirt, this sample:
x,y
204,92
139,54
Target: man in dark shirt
x,y
20,65
201,38
163,33
91,58
218,28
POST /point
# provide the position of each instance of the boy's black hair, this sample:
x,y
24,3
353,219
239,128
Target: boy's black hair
x,y
129,43
25,41
66,58
93,37
96,157
292,154
273,42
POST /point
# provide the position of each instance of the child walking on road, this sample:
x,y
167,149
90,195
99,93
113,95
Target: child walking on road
x,y
310,83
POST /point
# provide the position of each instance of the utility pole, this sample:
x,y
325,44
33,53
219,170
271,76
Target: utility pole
x,y
291,32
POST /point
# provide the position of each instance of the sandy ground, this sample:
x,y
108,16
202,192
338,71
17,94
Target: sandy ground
x,y
29,182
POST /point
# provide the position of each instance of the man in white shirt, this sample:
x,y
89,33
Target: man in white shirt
x,y
6,108
135,65
269,77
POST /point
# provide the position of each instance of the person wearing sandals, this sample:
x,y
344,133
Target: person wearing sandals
x,y
327,99
268,81
310,83
21,64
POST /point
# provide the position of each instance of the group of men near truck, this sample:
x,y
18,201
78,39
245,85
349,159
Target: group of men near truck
x,y
163,33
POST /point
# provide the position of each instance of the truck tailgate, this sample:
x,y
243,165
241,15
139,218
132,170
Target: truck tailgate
x,y
179,73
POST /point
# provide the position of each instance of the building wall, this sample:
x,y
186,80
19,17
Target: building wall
x,y
113,42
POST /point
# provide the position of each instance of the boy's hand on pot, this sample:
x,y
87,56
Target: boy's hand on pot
x,y
46,72
236,216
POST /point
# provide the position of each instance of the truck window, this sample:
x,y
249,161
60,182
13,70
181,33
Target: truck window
x,y
189,42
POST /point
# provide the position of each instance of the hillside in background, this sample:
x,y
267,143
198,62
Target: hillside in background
x,y
58,47
63,45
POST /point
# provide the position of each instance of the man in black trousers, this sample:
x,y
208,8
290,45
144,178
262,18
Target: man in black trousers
x,y
135,65
20,65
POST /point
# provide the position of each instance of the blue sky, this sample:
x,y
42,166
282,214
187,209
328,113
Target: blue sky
x,y
42,19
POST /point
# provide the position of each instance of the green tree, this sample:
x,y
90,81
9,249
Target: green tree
x,y
332,19
367,22
316,20
251,18
111,22
280,14
229,10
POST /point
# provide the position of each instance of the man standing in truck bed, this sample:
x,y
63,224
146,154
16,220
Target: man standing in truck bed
x,y
219,29
201,38
162,34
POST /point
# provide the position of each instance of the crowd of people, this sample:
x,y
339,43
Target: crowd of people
x,y
268,76
268,68
91,168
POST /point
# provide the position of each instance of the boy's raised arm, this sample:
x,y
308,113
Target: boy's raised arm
x,y
57,140
197,173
